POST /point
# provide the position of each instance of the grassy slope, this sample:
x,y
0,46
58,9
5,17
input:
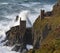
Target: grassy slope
x,y
52,42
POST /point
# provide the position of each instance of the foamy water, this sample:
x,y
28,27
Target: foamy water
x,y
6,49
8,14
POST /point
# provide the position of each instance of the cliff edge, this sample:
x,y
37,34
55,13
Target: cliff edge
x,y
47,32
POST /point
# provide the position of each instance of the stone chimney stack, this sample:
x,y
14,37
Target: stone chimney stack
x,y
22,25
17,18
42,14
22,28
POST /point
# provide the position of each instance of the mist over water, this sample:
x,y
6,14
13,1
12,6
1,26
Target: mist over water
x,y
9,9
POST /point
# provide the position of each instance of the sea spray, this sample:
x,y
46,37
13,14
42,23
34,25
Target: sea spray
x,y
9,13
29,47
23,15
6,49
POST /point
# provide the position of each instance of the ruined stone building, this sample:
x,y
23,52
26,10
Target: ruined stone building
x,y
45,14
20,35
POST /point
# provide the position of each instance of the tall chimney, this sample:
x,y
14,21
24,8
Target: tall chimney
x,y
22,24
42,14
17,18
22,28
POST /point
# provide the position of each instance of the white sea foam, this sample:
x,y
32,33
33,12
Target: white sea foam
x,y
2,35
6,49
24,14
29,46
48,7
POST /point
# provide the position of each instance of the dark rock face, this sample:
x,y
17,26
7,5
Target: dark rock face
x,y
40,36
19,38
46,30
13,36
28,39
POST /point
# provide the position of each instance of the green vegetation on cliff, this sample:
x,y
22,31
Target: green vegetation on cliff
x,y
51,43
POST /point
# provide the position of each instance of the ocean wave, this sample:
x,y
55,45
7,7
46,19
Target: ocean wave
x,y
4,3
11,13
30,4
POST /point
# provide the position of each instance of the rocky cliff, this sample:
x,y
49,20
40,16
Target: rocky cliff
x,y
18,38
47,33
44,35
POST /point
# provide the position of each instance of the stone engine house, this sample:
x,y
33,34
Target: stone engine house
x,y
20,35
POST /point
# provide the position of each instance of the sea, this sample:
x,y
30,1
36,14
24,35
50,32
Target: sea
x,y
26,9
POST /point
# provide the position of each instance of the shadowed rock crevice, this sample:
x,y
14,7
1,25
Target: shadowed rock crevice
x,y
28,36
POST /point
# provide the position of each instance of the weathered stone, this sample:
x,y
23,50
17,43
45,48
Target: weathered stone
x,y
17,36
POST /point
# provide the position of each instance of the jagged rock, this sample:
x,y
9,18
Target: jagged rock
x,y
16,37
13,35
41,30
